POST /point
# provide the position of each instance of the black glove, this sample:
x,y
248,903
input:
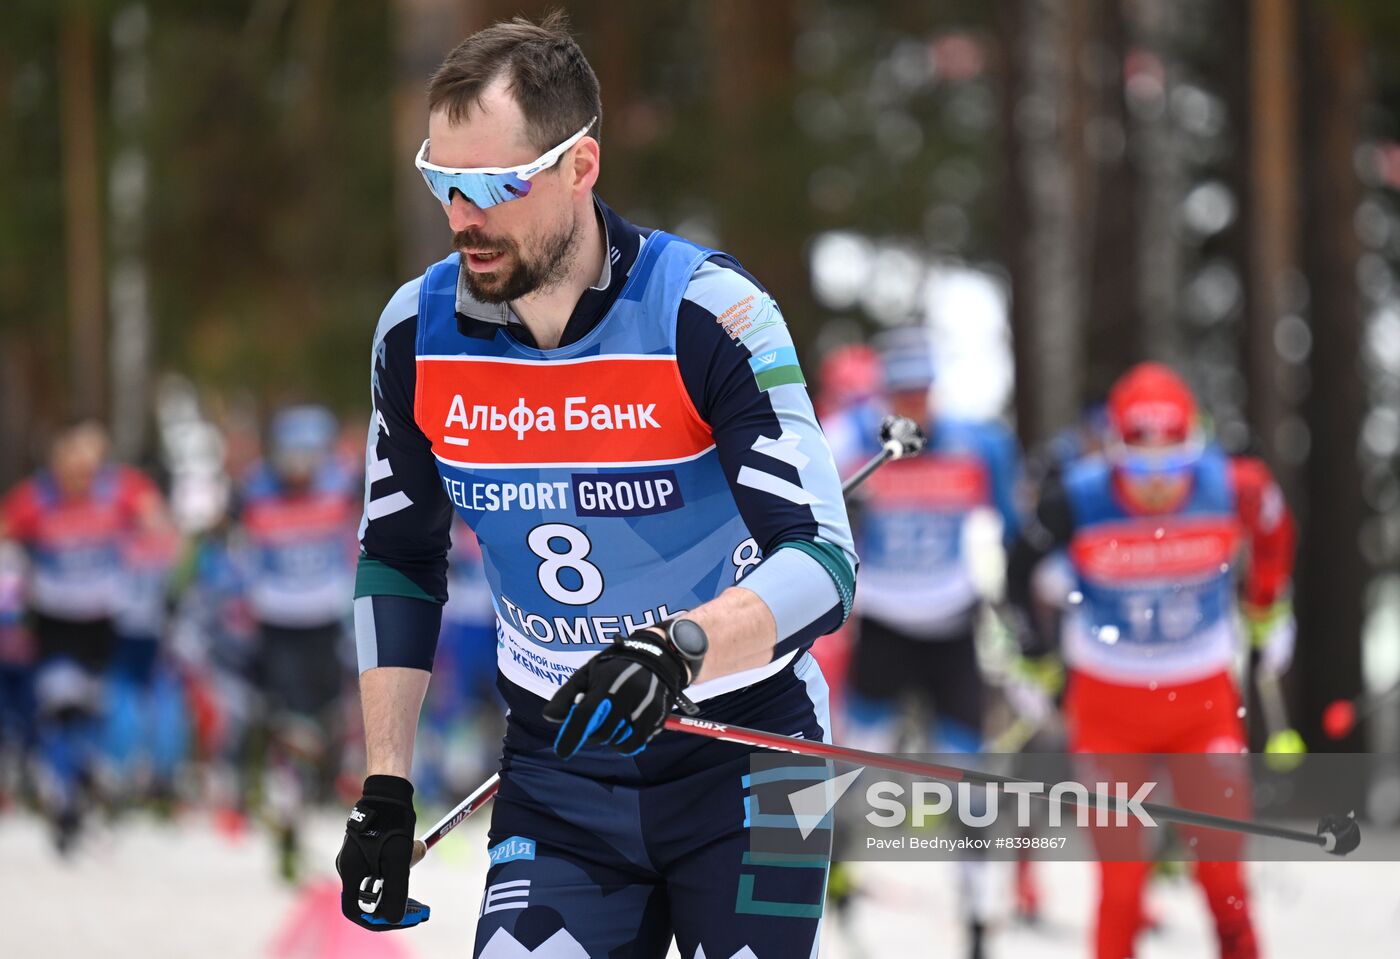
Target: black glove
x,y
374,859
621,696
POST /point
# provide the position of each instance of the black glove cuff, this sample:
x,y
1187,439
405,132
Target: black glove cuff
x,y
393,788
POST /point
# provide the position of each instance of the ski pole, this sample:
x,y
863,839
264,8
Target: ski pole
x,y
479,797
899,437
1337,835
1284,740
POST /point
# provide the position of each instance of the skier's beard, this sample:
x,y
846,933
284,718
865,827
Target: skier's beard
x,y
519,275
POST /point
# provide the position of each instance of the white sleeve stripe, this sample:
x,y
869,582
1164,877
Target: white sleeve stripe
x,y
385,505
768,483
784,449
377,469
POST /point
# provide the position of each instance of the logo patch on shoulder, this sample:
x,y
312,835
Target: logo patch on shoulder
x,y
776,368
738,321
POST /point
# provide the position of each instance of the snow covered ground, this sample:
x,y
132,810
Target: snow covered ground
x,y
153,891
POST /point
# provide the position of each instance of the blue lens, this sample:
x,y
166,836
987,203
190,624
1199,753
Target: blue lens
x,y
481,189
1158,463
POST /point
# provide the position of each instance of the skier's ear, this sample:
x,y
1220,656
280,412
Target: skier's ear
x,y
582,166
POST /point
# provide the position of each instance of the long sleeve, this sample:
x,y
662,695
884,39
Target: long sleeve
x,y
401,581
19,513
1049,529
1003,461
741,371
1269,531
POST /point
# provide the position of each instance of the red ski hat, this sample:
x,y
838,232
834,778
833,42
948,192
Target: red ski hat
x,y
1151,405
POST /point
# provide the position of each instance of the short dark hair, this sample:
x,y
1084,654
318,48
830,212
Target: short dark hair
x,y
549,77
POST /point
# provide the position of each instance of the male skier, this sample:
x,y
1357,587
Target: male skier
x,y
918,612
620,417
297,518
1162,530
73,519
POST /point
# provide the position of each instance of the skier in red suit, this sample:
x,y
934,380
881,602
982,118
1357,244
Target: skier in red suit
x,y
1171,540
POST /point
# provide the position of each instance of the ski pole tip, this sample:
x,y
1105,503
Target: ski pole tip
x,y
901,435
1339,835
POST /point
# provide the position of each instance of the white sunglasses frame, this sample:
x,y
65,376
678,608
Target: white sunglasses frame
x,y
524,171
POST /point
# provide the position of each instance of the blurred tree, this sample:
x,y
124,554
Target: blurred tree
x,y
1041,50
272,242
759,166
133,389
1333,572
1273,207
1230,62
1114,319
33,309
1015,217
424,32
83,211
1157,40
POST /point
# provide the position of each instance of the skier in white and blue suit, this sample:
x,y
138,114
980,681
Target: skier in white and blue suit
x,y
620,417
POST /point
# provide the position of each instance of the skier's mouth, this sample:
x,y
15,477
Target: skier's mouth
x,y
482,260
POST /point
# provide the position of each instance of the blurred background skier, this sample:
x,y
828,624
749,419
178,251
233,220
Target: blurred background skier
x,y
297,523
918,609
74,519
1163,530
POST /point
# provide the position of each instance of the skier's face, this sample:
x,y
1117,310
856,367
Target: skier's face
x,y
1154,490
296,467
913,404
78,455
524,245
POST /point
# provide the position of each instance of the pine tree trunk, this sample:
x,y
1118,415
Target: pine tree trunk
x,y
1273,205
760,183
1114,322
425,31
83,221
1333,573
129,189
1039,50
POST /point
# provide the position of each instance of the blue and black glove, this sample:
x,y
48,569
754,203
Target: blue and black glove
x,y
621,697
375,858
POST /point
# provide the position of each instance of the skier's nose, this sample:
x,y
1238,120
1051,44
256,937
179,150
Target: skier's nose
x,y
464,215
